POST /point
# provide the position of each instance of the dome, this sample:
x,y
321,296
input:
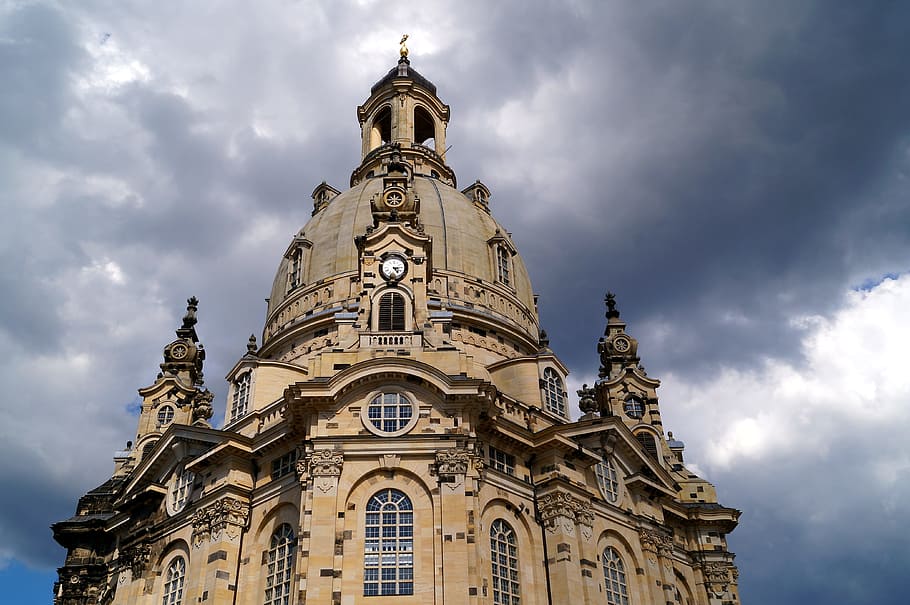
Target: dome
x,y
465,239
461,278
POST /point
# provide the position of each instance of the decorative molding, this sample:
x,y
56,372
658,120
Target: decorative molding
x,y
227,516
718,577
452,462
563,510
325,463
136,558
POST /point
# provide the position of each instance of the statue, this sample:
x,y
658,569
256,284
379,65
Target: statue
x,y
404,49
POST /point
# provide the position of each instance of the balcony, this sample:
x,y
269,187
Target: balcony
x,y
391,340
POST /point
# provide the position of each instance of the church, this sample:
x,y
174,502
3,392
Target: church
x,y
401,431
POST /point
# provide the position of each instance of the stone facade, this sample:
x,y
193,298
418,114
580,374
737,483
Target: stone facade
x,y
402,434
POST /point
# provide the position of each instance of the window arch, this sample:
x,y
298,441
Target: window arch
x,y
280,569
173,582
388,553
504,558
647,441
181,488
240,403
148,448
503,265
295,269
381,131
391,313
614,577
554,395
424,127
607,479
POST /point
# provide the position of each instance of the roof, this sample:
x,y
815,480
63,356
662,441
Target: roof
x,y
408,72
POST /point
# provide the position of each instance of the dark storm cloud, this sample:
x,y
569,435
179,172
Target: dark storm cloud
x,y
723,167
787,127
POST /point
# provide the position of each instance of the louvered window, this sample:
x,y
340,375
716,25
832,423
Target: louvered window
x,y
647,441
391,312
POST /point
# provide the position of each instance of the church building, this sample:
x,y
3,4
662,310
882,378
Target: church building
x,y
401,432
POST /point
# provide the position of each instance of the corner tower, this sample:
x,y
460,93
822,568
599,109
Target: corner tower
x,y
402,434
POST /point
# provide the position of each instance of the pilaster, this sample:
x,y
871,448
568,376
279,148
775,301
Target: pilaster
x,y
321,546
559,515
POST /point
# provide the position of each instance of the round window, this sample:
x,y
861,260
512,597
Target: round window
x,y
390,413
165,415
634,407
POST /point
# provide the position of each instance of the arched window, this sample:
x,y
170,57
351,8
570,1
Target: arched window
x,y
504,556
607,480
555,397
165,415
241,402
391,312
280,566
614,577
388,553
424,128
173,582
148,448
646,440
503,265
295,269
381,132
180,491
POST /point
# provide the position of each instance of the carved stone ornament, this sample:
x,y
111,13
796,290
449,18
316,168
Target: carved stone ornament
x,y
452,462
719,575
325,463
136,558
655,542
561,510
227,516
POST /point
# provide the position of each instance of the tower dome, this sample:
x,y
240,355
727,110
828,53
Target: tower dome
x,y
463,267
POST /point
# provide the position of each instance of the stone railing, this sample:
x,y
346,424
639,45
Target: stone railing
x,y
379,340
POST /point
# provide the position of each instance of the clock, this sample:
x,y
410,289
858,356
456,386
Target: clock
x,y
393,268
179,351
394,199
622,344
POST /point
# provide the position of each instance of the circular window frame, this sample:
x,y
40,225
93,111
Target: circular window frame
x,y
407,428
640,401
164,410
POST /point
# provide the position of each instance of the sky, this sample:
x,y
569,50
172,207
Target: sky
x,y
735,171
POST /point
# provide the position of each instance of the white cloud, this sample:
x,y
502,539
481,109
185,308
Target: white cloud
x,y
853,379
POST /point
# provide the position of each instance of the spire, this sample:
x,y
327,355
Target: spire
x,y
183,357
617,349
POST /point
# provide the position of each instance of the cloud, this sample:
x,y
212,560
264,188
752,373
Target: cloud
x,y
731,170
815,451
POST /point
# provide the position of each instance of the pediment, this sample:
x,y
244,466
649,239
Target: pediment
x,y
323,398
610,434
178,443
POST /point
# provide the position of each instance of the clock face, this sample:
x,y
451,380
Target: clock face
x,y
393,267
394,199
621,344
178,351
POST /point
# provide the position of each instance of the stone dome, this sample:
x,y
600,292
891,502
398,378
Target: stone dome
x,y
464,236
465,280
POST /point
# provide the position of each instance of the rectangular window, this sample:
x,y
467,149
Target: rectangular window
x,y
284,465
240,404
294,268
502,461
